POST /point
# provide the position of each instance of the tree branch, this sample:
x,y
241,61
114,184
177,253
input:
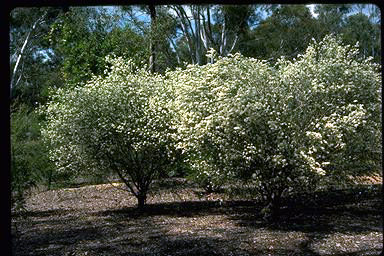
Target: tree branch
x,y
117,170
184,27
234,43
23,47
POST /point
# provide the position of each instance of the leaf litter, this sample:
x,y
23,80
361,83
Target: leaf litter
x,y
103,220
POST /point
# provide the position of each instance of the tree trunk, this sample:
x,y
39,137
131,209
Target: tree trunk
x,y
23,48
272,211
197,36
187,29
141,200
50,174
152,59
275,205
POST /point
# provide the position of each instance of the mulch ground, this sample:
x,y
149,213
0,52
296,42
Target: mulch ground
x,y
180,220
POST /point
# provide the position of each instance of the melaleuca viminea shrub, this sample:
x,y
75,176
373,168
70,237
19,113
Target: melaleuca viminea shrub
x,y
337,98
324,120
207,100
116,122
284,126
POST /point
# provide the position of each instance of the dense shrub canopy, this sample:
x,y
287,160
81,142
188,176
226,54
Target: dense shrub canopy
x,y
117,122
208,100
285,125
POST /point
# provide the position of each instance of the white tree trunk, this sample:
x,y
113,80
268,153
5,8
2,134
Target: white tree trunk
x,y
186,27
197,34
23,49
223,40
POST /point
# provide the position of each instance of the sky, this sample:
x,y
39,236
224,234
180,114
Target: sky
x,y
312,8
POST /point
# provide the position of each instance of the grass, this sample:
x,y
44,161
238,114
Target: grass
x,y
181,220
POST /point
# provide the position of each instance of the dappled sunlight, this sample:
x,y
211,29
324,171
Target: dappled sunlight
x,y
216,130
91,197
89,221
339,243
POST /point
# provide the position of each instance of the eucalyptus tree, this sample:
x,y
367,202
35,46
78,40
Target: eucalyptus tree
x,y
211,26
157,28
33,64
33,70
78,35
331,17
358,23
286,32
234,23
359,29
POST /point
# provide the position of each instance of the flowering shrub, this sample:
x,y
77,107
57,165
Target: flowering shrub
x,y
207,100
285,126
117,123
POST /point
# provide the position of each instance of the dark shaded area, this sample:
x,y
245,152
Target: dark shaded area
x,y
49,213
195,246
128,231
172,184
181,209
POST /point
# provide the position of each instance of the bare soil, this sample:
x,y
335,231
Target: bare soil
x,y
181,220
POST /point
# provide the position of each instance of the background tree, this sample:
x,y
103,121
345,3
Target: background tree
x,y
362,27
191,33
152,59
33,65
205,27
34,71
78,36
161,33
287,32
358,28
331,17
233,24
116,123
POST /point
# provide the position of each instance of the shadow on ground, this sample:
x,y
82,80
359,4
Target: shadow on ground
x,y
128,231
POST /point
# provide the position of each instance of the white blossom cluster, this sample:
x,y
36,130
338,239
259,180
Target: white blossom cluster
x,y
296,119
283,124
123,112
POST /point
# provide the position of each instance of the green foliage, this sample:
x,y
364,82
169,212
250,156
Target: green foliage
x,y
30,165
78,36
330,19
359,28
33,64
70,47
117,123
85,36
286,125
287,32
